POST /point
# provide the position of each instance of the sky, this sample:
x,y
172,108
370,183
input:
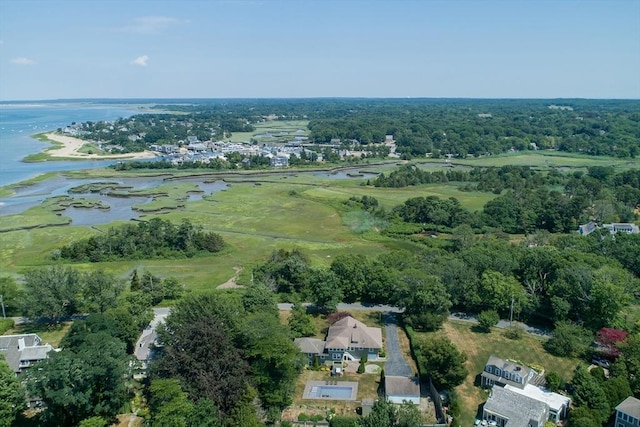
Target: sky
x,y
57,49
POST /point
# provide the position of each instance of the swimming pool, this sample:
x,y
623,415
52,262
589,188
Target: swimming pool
x,y
338,390
330,392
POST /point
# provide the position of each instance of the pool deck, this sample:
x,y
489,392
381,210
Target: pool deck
x,y
331,383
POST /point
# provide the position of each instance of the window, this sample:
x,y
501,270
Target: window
x,y
336,356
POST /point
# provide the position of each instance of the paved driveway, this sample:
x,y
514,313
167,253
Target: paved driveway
x,y
396,365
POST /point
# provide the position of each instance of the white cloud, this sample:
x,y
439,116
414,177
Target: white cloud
x,y
141,61
151,24
22,61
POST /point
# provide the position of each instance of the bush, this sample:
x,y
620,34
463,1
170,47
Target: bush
x,y
554,381
514,332
303,417
338,315
342,421
487,319
424,321
316,418
568,340
5,325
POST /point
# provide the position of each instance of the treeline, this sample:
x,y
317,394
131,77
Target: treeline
x,y
532,201
582,279
457,127
477,127
55,293
155,238
226,357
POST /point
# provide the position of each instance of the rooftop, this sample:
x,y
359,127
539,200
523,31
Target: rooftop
x,y
349,332
310,345
630,406
554,400
401,386
517,408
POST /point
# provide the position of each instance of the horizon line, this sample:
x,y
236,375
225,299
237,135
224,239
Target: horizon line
x,y
19,101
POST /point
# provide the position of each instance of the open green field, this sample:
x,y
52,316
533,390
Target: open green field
x,y
548,159
257,214
260,212
478,346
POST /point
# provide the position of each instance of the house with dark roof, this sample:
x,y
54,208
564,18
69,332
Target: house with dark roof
x,y
347,339
628,413
502,372
511,409
22,351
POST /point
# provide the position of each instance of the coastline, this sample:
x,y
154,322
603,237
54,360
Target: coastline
x,y
68,148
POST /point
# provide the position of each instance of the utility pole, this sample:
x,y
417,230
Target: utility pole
x,y
511,313
4,316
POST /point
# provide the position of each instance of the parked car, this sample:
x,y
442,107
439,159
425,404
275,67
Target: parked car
x,y
603,363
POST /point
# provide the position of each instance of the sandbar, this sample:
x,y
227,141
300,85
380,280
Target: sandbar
x,y
71,149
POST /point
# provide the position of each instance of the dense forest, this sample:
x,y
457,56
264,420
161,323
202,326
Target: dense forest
x,y
454,127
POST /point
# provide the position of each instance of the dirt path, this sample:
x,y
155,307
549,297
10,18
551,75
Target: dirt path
x,y
231,283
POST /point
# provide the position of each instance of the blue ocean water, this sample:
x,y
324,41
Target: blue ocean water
x,y
19,121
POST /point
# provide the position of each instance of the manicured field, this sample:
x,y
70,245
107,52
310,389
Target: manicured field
x,y
479,346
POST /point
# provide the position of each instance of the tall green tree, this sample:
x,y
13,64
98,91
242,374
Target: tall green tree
x,y
51,292
11,295
300,322
168,404
202,355
587,392
12,395
82,381
325,290
424,298
568,340
442,362
99,291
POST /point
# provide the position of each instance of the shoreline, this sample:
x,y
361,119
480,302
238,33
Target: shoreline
x,y
68,148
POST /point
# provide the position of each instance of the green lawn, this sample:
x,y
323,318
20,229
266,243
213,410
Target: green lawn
x,y
51,334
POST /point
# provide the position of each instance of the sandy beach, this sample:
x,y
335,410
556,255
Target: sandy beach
x,y
71,149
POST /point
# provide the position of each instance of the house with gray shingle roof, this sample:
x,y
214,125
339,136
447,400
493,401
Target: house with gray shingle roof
x,y
347,339
22,351
628,413
510,409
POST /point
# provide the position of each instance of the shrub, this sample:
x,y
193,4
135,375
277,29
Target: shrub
x,y
303,417
554,381
487,319
338,315
514,332
342,421
5,325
